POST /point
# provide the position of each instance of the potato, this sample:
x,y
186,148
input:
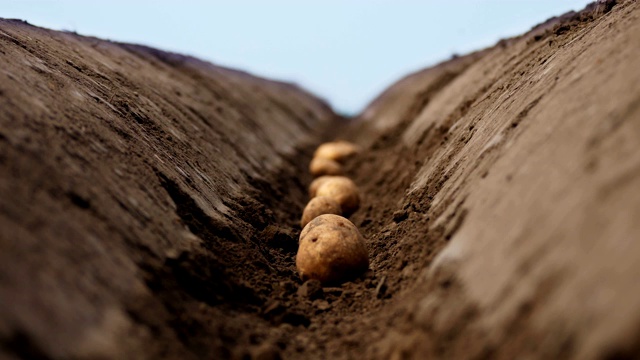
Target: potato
x,y
318,206
315,184
336,150
331,250
322,166
343,190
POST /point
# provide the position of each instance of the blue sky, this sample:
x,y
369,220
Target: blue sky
x,y
344,51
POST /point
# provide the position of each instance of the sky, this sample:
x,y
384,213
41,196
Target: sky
x,y
346,52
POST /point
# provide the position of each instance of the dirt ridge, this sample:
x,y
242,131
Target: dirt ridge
x,y
468,155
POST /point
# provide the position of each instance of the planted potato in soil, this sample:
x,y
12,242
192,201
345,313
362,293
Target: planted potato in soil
x,y
319,206
331,250
343,190
321,166
315,184
336,150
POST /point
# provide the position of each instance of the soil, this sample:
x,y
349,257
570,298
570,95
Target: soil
x,y
151,203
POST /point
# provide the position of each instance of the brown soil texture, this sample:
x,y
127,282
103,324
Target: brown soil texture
x,y
150,203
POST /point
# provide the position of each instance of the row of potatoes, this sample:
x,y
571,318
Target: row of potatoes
x,y
331,249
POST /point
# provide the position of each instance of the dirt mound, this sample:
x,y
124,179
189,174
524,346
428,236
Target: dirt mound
x,y
522,162
150,203
145,198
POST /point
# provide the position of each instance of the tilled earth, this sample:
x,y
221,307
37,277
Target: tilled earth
x,y
151,202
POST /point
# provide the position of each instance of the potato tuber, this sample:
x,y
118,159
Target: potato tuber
x,y
343,190
336,150
322,166
331,250
318,206
315,184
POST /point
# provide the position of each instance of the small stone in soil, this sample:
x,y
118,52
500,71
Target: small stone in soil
x,y
400,216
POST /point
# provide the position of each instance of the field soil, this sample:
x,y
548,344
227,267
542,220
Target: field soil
x,y
150,203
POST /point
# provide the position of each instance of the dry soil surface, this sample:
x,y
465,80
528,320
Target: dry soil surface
x,y
150,203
